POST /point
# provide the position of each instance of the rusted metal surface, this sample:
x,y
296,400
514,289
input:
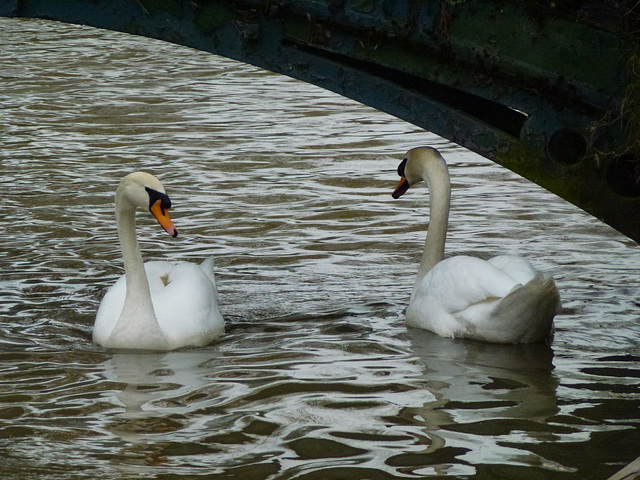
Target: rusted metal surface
x,y
550,92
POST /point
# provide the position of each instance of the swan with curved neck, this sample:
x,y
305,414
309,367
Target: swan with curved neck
x,y
155,305
501,300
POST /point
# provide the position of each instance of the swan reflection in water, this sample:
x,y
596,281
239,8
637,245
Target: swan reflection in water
x,y
156,395
469,403
490,400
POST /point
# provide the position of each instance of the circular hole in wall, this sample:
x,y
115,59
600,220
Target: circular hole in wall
x,y
567,146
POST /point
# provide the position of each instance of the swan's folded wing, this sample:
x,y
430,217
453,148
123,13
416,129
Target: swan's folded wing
x,y
186,307
207,266
519,269
460,282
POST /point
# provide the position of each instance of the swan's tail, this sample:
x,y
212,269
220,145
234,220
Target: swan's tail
x,y
530,309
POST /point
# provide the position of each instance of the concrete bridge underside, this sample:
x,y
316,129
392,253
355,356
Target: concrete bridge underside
x,y
550,92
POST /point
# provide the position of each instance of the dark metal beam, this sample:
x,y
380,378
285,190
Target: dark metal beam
x,y
551,93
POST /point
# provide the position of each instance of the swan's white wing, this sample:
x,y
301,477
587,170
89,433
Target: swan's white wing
x,y
468,297
185,303
462,281
207,267
109,311
520,270
455,293
184,299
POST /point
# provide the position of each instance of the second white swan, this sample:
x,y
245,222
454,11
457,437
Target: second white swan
x,y
156,305
501,300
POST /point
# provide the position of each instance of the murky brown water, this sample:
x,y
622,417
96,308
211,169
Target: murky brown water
x,y
318,377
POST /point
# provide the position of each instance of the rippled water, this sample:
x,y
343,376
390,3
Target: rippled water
x,y
317,377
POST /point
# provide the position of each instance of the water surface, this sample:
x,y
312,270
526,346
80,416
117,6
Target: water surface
x,y
289,187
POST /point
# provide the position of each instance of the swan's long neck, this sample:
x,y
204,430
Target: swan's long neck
x,y
437,177
137,313
137,283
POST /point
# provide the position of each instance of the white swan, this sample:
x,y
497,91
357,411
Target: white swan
x,y
502,300
157,305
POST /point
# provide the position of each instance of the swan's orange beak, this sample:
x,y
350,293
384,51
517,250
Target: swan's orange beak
x,y
402,187
162,215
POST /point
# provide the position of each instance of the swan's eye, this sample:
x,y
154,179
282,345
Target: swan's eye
x,y
401,167
154,196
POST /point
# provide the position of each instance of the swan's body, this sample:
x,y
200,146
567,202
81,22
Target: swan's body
x,y
501,300
156,305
